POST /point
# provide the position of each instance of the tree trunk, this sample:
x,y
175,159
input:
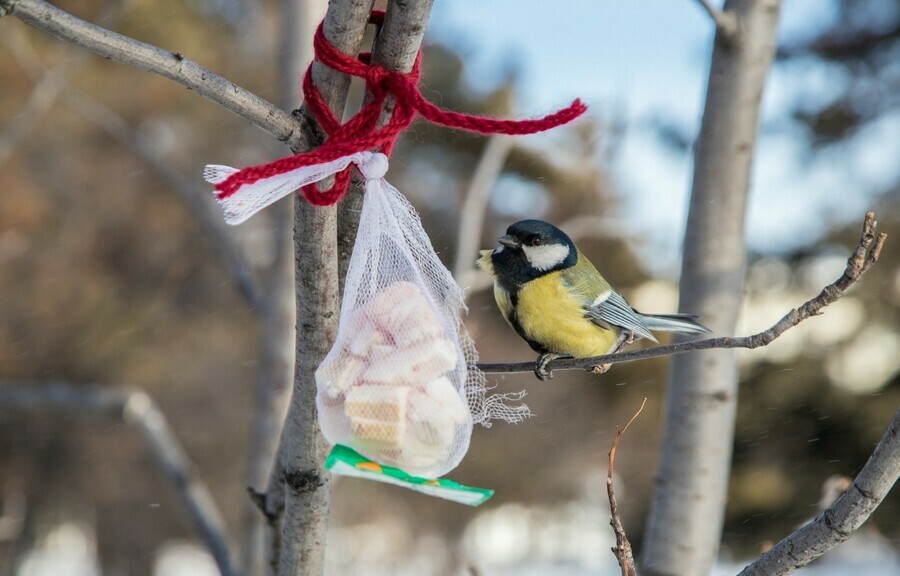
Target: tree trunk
x,y
687,509
297,500
298,20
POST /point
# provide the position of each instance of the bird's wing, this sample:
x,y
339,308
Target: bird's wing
x,y
602,305
613,309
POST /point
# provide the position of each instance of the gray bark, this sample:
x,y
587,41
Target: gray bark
x,y
843,518
298,20
688,503
395,49
297,499
303,449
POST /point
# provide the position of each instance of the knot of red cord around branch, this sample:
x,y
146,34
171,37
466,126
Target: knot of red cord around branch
x,y
362,131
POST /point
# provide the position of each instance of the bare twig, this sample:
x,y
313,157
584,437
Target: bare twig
x,y
843,518
138,409
49,83
622,550
40,101
198,201
726,22
171,65
863,258
471,220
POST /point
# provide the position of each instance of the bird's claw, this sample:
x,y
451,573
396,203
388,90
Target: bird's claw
x,y
540,365
603,368
540,368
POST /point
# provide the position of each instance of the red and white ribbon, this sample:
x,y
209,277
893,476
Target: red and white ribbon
x,y
251,198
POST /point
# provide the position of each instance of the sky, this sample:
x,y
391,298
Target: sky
x,y
649,59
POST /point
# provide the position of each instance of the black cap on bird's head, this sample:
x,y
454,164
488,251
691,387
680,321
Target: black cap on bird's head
x,y
532,248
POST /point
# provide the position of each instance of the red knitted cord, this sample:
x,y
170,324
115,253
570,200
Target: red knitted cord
x,y
361,132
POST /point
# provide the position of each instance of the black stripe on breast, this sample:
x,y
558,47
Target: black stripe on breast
x,y
514,321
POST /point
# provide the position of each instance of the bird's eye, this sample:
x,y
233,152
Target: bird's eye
x,y
536,241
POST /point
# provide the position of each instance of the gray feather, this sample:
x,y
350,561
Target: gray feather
x,y
615,311
683,323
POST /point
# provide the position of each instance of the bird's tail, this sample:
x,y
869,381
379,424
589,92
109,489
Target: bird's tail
x,y
682,323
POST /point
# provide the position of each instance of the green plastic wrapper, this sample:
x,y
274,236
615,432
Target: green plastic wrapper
x,y
347,462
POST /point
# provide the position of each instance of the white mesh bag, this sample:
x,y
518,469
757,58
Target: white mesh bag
x,y
399,385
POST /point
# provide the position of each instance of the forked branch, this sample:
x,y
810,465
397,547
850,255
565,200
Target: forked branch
x,y
622,551
726,22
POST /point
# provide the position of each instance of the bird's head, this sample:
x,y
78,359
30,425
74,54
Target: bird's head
x,y
532,248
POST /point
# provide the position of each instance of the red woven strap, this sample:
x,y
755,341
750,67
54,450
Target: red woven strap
x,y
362,132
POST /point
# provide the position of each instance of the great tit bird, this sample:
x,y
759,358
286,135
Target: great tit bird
x,y
555,299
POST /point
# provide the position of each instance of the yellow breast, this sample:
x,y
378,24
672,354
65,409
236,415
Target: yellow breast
x,y
551,315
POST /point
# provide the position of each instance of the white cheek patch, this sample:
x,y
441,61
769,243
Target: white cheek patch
x,y
546,257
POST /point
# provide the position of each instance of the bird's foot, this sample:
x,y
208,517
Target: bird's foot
x,y
540,365
603,368
600,368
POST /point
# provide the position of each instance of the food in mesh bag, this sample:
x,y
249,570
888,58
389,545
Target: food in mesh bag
x,y
400,385
388,390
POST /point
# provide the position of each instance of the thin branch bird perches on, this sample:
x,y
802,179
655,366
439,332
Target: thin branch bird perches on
x,y
863,258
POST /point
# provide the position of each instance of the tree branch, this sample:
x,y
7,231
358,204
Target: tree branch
x,y
702,389
725,21
297,499
171,65
843,518
41,99
138,409
395,48
864,256
198,201
49,82
305,491
622,550
298,20
471,220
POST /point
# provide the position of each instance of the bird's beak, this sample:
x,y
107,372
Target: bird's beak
x,y
509,241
